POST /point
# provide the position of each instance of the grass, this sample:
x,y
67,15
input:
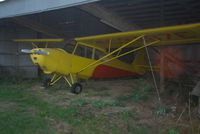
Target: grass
x,y
99,104
19,118
101,94
80,103
172,131
11,80
127,115
139,130
30,113
162,110
97,125
102,104
16,119
23,110
19,122
141,93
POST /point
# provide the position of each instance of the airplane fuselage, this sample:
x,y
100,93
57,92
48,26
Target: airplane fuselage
x,y
61,62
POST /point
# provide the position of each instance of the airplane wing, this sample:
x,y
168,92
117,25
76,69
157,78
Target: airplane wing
x,y
173,35
39,40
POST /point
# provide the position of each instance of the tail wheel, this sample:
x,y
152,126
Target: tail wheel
x,y
76,88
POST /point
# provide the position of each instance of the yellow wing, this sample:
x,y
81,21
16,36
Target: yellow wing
x,y
174,35
39,40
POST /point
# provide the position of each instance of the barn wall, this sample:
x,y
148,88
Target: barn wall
x,y
12,61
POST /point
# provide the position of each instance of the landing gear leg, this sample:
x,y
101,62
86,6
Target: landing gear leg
x,y
76,88
46,83
49,82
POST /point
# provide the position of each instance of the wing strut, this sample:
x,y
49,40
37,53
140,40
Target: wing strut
x,y
123,46
150,64
129,52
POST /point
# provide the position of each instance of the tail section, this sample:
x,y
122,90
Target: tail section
x,y
140,63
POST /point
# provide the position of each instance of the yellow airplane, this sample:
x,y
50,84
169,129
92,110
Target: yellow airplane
x,y
97,56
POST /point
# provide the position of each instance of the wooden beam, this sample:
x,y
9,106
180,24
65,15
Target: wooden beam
x,y
143,16
119,3
162,78
108,17
136,12
167,21
143,6
156,18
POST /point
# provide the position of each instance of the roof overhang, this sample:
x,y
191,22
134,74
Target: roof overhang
x,y
12,8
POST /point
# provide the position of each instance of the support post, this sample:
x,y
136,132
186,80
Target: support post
x,y
162,79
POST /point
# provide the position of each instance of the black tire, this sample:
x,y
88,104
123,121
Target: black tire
x,y
76,88
46,83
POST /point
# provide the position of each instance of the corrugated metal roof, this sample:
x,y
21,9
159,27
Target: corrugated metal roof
x,y
11,8
155,13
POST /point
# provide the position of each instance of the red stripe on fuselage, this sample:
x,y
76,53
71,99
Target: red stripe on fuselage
x,y
103,71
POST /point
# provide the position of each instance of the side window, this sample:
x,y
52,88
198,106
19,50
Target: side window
x,y
80,51
84,51
69,48
98,54
88,52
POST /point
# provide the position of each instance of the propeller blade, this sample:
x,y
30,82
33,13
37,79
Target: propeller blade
x,y
28,51
40,52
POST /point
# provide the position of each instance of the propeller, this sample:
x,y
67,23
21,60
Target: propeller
x,y
28,51
39,52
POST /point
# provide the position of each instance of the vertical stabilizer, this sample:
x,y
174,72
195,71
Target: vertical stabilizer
x,y
140,62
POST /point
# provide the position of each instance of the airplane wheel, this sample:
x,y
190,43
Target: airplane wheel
x,y
47,83
76,88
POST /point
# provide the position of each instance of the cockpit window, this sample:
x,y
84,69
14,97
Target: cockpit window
x,y
84,51
98,54
80,51
69,47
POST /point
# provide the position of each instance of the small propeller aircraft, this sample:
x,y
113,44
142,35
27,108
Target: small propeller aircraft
x,y
98,56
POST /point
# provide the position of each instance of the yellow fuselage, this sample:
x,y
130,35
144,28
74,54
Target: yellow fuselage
x,y
60,62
